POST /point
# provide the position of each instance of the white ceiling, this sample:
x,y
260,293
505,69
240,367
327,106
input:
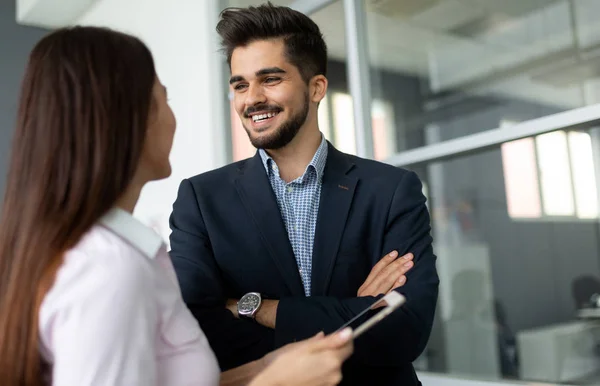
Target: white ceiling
x,y
50,13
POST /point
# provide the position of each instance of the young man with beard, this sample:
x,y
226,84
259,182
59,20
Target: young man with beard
x,y
278,247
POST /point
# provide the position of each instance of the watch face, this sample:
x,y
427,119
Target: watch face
x,y
248,303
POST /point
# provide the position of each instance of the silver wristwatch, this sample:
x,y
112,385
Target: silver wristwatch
x,y
249,305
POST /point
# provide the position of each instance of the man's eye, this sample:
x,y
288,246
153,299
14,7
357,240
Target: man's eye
x,y
239,87
271,79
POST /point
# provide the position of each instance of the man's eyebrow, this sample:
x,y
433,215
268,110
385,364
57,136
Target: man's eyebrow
x,y
235,79
261,72
269,71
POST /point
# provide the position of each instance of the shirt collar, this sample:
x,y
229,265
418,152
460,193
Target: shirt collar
x,y
124,225
318,161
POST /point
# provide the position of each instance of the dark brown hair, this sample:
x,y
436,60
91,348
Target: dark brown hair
x,y
305,47
81,124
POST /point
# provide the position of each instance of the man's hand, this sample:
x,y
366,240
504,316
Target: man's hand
x,y
231,305
387,275
266,315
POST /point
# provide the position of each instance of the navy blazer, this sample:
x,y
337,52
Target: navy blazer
x,y
228,238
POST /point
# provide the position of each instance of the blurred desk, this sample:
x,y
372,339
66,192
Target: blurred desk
x,y
589,313
560,353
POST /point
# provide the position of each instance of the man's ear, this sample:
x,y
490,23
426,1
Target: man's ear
x,y
318,88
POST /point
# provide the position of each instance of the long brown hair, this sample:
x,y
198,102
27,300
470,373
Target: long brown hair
x,y
84,106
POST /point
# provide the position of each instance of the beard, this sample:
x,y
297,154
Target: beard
x,y
286,131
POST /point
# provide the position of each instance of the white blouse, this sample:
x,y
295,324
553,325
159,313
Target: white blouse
x,y
115,315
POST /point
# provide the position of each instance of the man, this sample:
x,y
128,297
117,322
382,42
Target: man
x,y
278,247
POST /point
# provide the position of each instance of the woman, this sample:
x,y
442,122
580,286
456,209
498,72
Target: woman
x,y
88,295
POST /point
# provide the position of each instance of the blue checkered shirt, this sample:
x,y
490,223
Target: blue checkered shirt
x,y
298,203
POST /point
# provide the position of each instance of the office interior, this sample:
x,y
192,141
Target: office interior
x,y
494,104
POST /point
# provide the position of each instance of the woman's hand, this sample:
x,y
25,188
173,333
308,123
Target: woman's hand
x,y
315,361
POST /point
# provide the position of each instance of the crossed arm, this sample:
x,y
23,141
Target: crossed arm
x,y
238,341
387,275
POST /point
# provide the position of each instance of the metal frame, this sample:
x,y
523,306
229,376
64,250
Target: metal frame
x,y
583,117
358,75
223,90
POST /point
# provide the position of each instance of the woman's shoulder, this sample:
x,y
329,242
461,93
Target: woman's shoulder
x,y
101,265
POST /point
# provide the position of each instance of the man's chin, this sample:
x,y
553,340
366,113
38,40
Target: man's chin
x,y
272,137
262,144
270,127
265,137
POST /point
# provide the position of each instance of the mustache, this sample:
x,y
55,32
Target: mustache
x,y
264,108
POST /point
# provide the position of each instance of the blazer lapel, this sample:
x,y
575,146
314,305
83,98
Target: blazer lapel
x,y
337,193
255,191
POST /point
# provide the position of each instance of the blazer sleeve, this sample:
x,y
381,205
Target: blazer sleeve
x,y
402,336
234,341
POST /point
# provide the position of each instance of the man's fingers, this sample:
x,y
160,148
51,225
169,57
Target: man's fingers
x,y
380,285
388,282
385,273
387,278
401,265
381,264
405,263
399,283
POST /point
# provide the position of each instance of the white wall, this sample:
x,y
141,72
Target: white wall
x,y
181,35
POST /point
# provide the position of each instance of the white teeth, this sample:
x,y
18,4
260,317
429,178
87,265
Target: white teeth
x,y
260,117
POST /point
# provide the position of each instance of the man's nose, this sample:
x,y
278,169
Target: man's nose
x,y
254,96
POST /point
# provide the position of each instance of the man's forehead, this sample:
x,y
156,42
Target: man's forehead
x,y
256,55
